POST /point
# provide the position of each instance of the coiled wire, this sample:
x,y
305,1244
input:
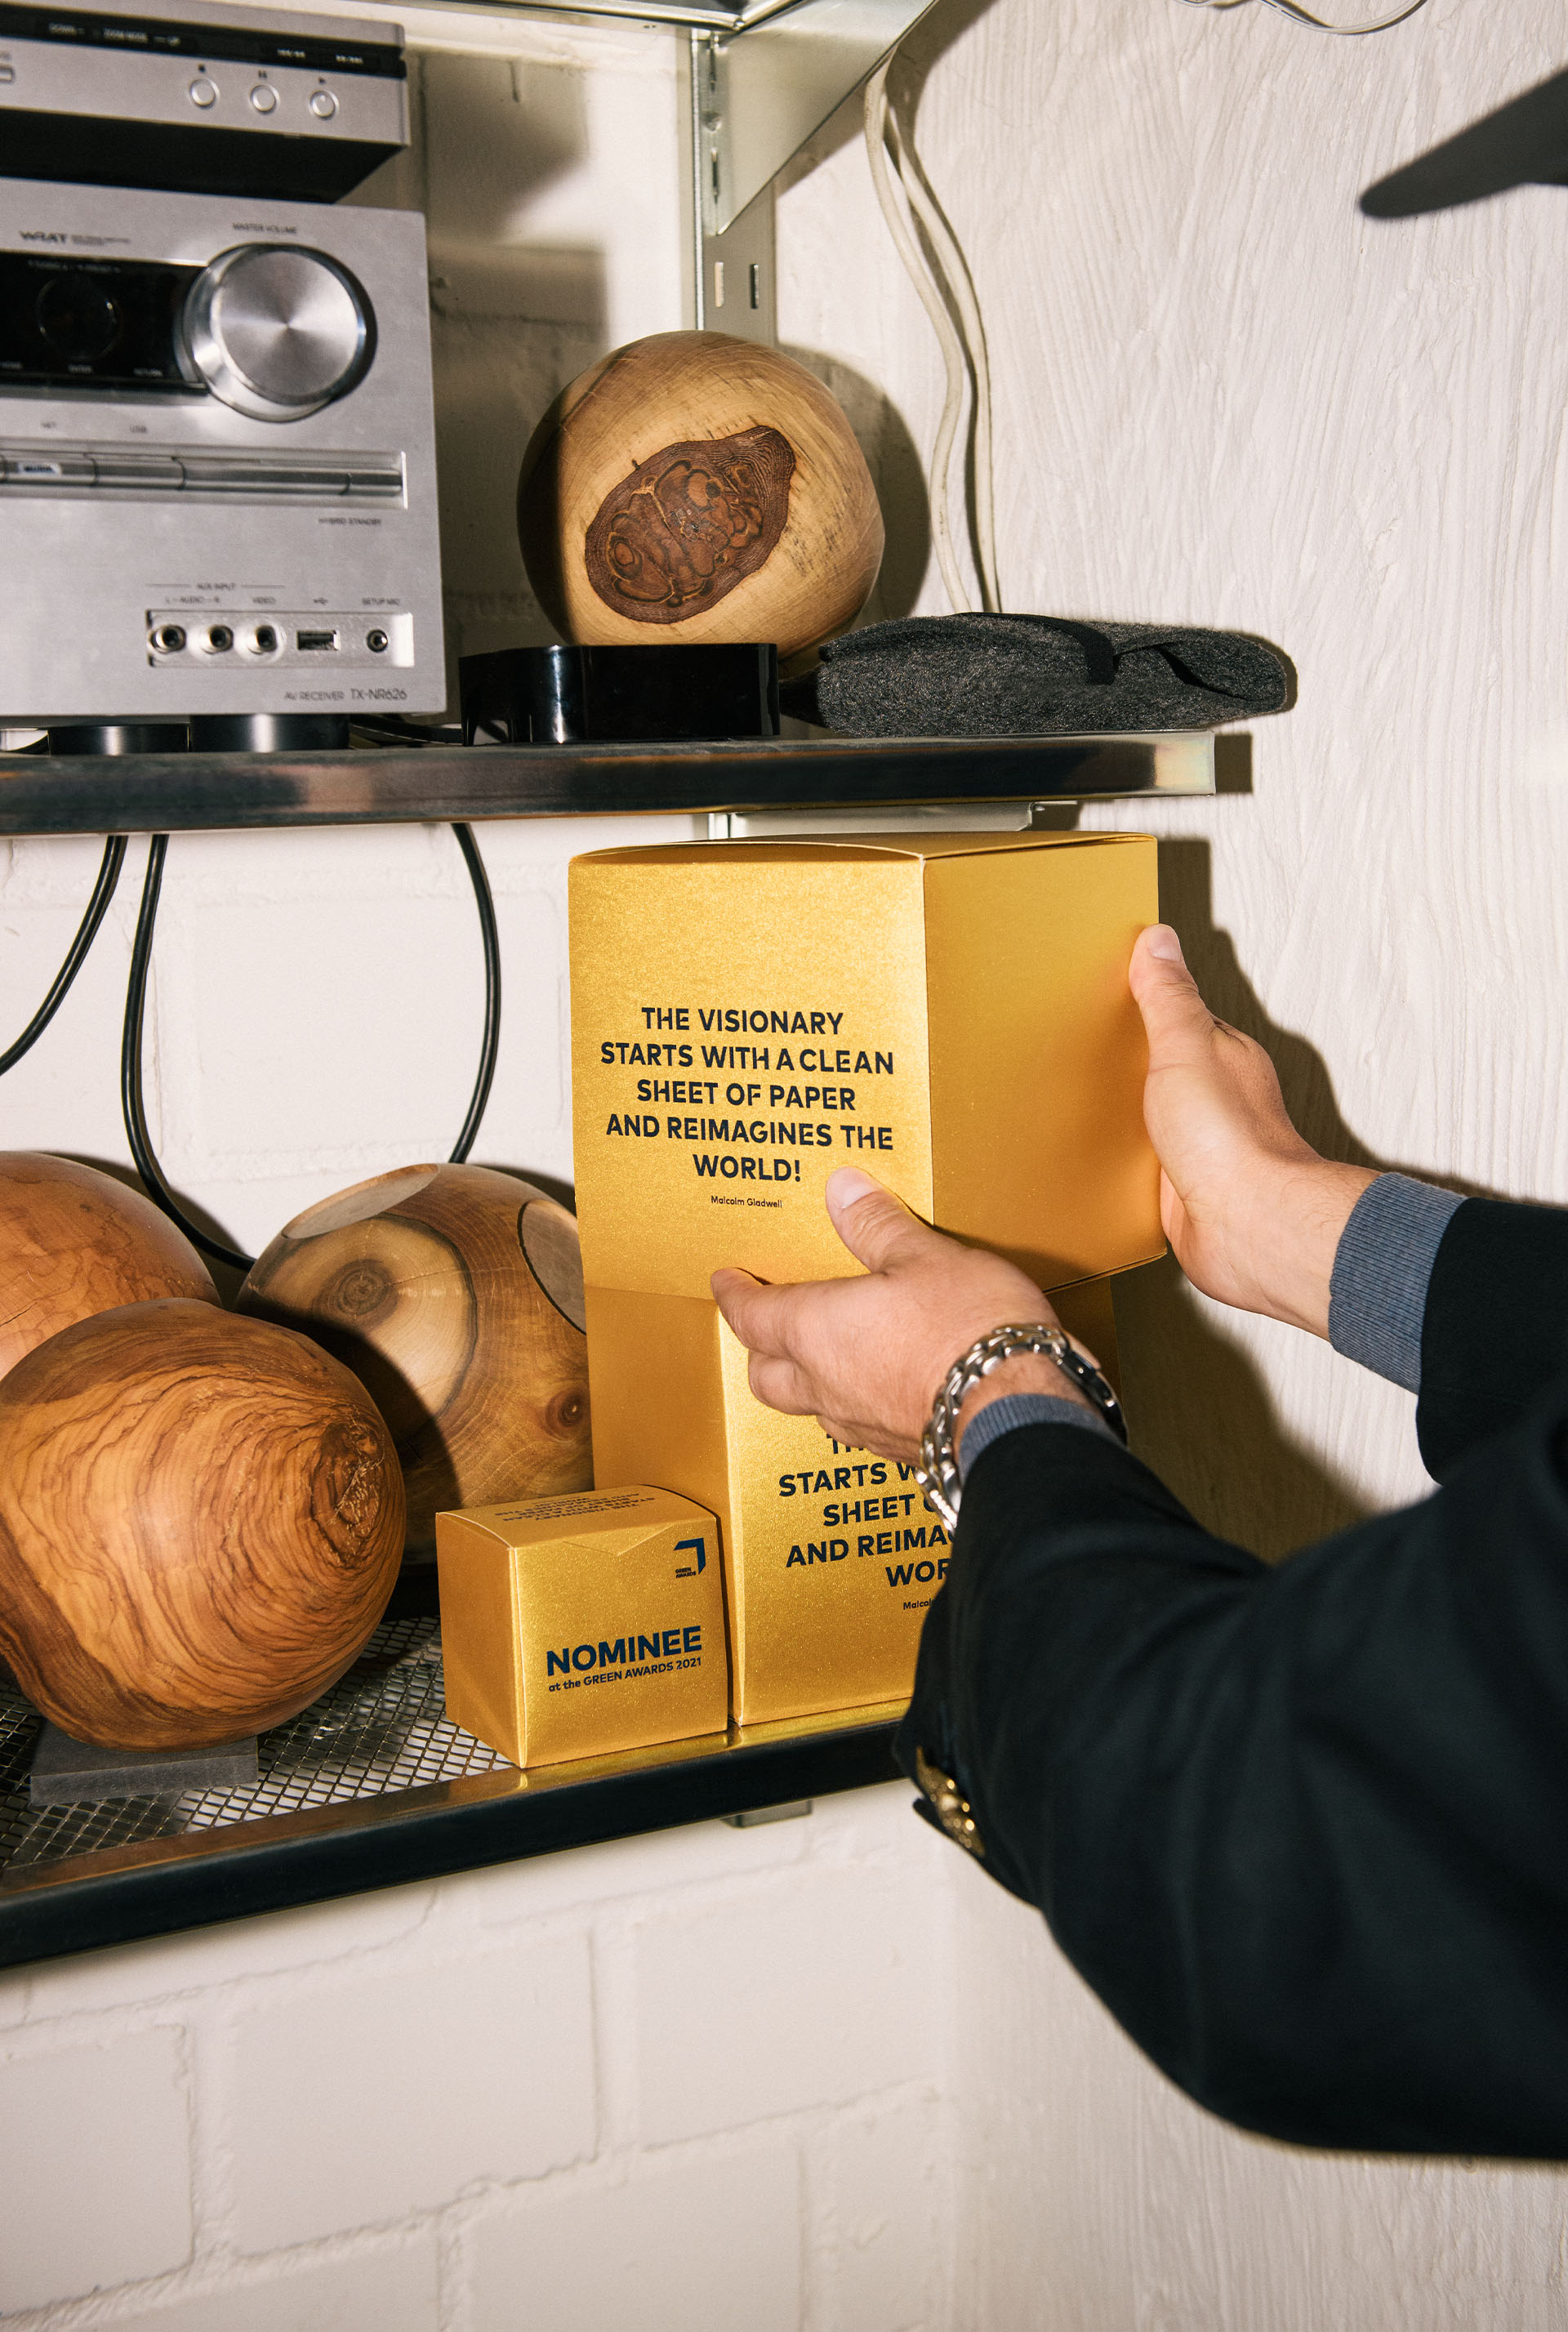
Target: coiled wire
x,y
940,279
132,1100
1320,24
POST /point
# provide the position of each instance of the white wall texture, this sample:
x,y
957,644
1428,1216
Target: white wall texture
x,y
825,2071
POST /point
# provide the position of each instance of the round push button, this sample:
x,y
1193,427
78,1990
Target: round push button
x,y
323,104
204,92
264,99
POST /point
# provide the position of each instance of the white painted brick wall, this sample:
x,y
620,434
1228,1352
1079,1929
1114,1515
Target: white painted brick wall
x,y
95,2156
360,2098
715,2241
694,2079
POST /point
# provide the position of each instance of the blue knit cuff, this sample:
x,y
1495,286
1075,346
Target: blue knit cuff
x,y
1016,1408
1377,1296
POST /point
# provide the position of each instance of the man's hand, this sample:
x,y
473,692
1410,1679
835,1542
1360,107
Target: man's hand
x,y
1254,1214
868,1355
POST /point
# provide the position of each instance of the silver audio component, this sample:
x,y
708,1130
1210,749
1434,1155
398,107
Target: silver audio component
x,y
277,333
209,99
217,476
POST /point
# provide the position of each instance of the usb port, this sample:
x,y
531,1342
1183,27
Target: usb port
x,y
309,643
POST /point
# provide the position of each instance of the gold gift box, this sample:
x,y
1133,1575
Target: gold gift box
x,y
949,1011
831,1555
577,1625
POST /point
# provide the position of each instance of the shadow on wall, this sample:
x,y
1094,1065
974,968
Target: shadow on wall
x,y
513,320
1204,1419
893,460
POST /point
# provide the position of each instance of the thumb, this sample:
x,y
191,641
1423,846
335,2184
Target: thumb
x,y
876,1228
1176,1020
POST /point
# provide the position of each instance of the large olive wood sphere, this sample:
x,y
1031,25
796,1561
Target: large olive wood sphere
x,y
454,1293
694,487
200,1523
74,1242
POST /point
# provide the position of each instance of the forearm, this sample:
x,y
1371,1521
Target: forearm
x,y
1370,1287
1494,1325
1298,1827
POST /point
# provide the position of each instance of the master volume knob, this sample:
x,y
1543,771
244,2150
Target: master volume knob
x,y
277,332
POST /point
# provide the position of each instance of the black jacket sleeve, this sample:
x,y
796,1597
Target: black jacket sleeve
x,y
1495,1328
1304,1830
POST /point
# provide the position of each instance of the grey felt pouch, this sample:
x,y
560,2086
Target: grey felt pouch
x,y
1034,676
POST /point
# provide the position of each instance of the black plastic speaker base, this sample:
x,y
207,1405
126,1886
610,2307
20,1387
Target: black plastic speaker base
x,y
577,695
88,736
270,733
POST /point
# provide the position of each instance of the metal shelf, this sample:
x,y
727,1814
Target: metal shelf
x,y
373,1787
197,792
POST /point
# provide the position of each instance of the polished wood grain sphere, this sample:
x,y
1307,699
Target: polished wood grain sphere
x,y
696,487
455,1293
74,1242
201,1519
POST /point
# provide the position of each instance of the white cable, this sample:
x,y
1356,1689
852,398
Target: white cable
x,y
955,268
952,353
1319,23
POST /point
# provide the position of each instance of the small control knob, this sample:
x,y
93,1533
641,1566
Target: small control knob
x,y
323,104
78,317
264,99
277,332
204,92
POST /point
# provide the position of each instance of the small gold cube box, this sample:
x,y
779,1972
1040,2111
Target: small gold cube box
x,y
576,1626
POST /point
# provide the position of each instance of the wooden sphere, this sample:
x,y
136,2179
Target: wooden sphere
x,y
694,487
455,1293
74,1242
200,1523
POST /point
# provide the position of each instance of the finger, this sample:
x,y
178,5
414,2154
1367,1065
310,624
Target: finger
x,y
1175,1016
876,1228
779,1384
751,1308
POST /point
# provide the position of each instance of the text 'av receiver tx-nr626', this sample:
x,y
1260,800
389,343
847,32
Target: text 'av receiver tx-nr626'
x,y
217,481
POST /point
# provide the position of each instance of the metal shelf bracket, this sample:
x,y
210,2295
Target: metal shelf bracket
x,y
754,96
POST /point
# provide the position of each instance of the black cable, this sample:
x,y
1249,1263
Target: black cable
x,y
130,1096
76,955
490,1043
131,1087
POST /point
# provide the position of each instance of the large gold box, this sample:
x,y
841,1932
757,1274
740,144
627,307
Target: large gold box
x,y
831,1555
574,1626
949,1011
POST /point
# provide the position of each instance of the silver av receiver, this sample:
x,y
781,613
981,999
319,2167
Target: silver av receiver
x,y
217,473
216,100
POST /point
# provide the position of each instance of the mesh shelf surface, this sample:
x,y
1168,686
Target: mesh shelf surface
x,y
382,1728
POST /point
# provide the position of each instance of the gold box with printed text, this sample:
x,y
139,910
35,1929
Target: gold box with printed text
x,y
574,1626
831,1555
949,1011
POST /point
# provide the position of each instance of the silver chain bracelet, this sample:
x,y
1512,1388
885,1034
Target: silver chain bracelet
x,y
936,1470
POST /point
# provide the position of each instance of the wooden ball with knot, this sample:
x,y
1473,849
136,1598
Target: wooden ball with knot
x,y
693,487
201,1519
74,1242
455,1293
